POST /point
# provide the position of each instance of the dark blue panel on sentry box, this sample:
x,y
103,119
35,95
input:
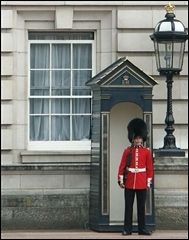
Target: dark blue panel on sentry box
x,y
117,95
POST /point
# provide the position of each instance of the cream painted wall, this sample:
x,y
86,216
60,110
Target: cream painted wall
x,y
118,32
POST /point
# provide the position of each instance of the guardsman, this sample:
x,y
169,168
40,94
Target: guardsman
x,y
135,175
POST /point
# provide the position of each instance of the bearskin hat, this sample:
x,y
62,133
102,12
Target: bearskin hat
x,y
137,127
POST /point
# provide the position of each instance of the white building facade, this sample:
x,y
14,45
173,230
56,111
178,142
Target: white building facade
x,y
49,50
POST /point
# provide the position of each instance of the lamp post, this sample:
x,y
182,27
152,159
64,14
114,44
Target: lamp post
x,y
169,39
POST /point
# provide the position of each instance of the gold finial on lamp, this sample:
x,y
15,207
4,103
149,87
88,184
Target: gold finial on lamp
x,y
169,8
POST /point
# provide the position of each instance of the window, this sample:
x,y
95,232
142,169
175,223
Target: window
x,y
59,101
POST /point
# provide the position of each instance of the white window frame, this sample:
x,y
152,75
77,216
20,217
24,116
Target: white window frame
x,y
59,145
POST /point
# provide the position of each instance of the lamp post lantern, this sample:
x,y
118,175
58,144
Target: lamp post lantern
x,y
169,39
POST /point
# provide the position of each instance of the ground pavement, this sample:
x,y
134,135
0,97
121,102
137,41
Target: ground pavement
x,y
48,234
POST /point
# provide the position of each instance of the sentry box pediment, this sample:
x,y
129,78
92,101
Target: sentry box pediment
x,y
122,81
122,73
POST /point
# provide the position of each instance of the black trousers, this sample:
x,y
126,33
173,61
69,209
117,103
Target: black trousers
x,y
129,200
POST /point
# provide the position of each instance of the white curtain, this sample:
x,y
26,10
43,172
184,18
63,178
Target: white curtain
x,y
82,60
63,118
39,85
60,125
81,123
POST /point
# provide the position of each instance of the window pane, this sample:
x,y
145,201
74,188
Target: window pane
x,y
61,82
39,56
81,105
165,54
60,69
81,127
39,82
60,105
39,128
82,56
177,54
60,128
61,56
80,77
39,106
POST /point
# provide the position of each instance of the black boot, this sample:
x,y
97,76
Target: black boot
x,y
144,232
126,233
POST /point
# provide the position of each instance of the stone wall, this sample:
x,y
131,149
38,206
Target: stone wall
x,y
171,192
45,197
45,211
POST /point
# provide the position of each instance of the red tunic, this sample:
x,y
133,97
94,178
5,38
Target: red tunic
x,y
141,158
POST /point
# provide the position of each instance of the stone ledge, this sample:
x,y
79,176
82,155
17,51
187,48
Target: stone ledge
x,y
167,167
34,192
171,160
55,157
171,164
174,198
85,3
54,153
47,167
